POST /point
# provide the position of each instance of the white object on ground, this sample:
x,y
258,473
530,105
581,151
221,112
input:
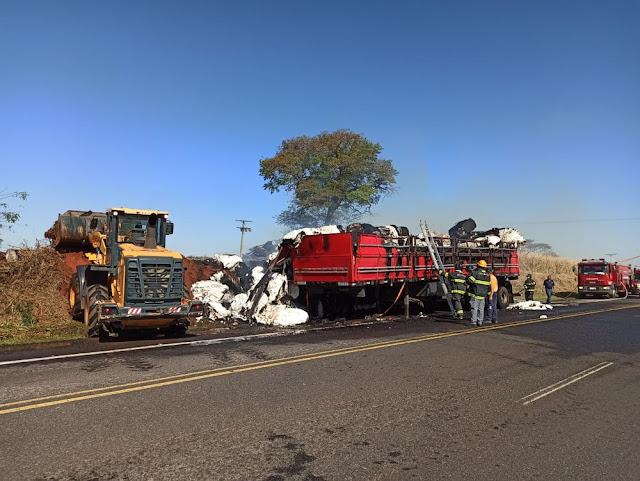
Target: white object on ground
x,y
530,306
281,315
209,291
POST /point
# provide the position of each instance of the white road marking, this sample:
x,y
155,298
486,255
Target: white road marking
x,y
204,342
564,383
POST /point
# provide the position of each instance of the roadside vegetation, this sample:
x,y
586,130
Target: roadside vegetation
x,y
32,307
542,265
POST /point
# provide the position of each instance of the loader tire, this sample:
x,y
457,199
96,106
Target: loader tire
x,y
75,309
95,293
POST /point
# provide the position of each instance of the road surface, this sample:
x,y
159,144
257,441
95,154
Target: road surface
x,y
529,398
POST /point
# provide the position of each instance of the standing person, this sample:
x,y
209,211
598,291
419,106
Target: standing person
x,y
479,284
458,283
492,312
529,287
548,287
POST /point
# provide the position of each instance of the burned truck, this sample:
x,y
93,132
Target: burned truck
x,y
131,281
343,272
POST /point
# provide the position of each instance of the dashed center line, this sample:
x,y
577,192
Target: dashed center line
x,y
545,391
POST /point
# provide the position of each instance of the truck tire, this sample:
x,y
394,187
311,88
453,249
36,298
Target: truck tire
x,y
95,293
75,309
504,297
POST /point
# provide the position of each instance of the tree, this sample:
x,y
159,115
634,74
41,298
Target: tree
x,y
8,216
538,248
334,178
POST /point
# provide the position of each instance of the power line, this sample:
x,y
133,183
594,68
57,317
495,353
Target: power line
x,y
575,221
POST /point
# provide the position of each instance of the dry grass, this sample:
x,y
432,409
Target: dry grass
x,y
540,266
32,308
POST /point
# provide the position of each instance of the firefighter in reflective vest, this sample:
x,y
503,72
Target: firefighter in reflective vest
x,y
529,287
458,284
479,284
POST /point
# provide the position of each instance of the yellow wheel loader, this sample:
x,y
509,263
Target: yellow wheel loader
x,y
132,280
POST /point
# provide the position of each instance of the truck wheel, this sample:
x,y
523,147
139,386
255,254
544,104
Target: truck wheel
x,y
75,309
95,293
504,298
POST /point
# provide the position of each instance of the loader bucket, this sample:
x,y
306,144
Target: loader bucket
x,y
72,228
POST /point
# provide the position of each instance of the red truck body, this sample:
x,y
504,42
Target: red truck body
x,y
635,281
599,278
354,269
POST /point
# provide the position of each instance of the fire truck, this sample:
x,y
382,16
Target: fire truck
x,y
599,278
635,282
344,274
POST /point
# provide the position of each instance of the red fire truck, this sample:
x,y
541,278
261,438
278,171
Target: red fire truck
x,y
635,282
342,274
599,278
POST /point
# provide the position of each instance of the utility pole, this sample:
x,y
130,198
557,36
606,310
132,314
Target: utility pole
x,y
611,256
243,229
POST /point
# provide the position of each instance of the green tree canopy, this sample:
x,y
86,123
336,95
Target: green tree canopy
x,y
333,177
9,216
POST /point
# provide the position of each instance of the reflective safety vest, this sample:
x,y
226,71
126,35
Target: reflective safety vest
x,y
458,282
479,283
529,285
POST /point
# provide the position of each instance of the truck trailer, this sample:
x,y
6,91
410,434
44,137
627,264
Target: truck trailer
x,y
345,273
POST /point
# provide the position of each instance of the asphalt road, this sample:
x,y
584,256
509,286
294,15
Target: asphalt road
x,y
529,398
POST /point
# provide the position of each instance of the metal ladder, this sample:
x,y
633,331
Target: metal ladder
x,y
437,261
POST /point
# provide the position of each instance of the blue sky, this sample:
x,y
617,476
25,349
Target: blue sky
x,y
522,114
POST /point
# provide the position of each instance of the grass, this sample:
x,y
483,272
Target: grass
x,y
540,266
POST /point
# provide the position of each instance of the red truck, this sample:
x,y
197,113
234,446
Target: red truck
x,y
635,282
597,277
342,274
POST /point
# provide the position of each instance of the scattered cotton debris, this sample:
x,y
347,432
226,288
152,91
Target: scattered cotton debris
x,y
227,261
256,275
282,315
530,306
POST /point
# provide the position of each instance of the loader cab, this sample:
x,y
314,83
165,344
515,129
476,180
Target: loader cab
x,y
130,226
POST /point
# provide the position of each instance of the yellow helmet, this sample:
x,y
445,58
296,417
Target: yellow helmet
x,y
482,263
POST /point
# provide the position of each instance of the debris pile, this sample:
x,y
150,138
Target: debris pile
x,y
238,293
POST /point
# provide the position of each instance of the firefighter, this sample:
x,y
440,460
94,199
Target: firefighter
x,y
529,287
479,284
458,283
